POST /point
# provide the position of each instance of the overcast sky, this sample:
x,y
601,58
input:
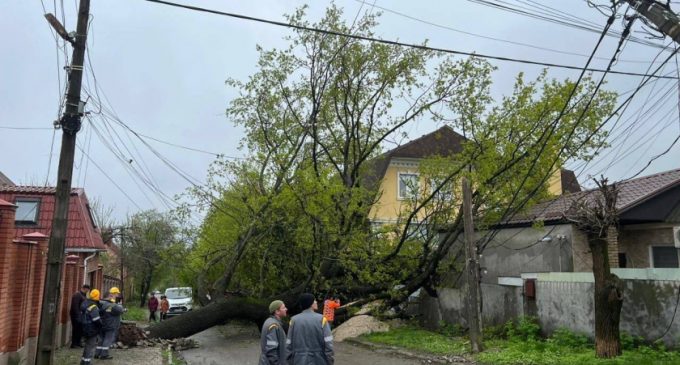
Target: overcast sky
x,y
163,69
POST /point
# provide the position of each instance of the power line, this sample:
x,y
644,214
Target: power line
x,y
396,43
504,6
446,27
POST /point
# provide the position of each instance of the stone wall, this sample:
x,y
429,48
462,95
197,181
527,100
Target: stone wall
x,y
565,300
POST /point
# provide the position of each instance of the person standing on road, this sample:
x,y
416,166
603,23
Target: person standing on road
x,y
76,327
110,317
273,337
91,322
165,307
153,307
310,341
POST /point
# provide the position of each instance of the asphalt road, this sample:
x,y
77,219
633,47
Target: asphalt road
x,y
239,345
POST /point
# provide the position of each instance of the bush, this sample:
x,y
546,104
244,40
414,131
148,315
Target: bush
x,y
629,342
449,329
567,338
526,329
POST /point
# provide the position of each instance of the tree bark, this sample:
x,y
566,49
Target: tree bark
x,y
608,298
211,315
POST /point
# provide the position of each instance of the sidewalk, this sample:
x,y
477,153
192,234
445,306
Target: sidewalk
x,y
132,356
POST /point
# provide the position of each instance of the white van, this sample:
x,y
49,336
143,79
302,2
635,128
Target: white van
x,y
180,300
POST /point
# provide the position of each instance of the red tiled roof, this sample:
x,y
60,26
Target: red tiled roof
x,y
631,193
81,233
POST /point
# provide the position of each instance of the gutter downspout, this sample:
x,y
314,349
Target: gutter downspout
x,y
85,267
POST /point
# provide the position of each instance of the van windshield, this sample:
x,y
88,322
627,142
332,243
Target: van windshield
x,y
178,293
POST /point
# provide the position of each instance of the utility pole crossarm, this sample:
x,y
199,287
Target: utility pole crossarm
x,y
659,15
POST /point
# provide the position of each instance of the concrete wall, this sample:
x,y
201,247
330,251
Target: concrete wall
x,y
566,300
514,251
499,303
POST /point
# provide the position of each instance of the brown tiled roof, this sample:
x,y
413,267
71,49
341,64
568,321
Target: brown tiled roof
x,y
444,142
631,193
24,189
4,180
81,233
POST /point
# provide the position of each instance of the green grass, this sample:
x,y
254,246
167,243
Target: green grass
x,y
563,349
135,313
508,352
420,340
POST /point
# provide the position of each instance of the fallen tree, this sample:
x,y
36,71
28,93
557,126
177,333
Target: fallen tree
x,y
295,215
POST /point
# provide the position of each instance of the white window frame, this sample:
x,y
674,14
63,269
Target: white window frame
x,y
651,255
399,173
36,212
442,195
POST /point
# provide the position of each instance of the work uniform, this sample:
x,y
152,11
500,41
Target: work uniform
x,y
272,343
310,341
110,317
91,322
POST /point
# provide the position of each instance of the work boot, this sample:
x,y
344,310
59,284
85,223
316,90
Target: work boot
x,y
106,357
83,361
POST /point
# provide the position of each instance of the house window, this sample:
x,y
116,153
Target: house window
x,y
408,185
445,193
27,211
665,257
89,213
623,260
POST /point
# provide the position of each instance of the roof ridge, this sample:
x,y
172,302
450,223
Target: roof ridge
x,y
442,128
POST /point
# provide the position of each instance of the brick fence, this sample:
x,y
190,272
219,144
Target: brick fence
x,y
22,273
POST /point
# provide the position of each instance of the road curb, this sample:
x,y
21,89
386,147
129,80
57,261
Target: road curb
x,y
424,358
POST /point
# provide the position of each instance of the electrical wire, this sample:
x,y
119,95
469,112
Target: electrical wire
x,y
516,43
395,43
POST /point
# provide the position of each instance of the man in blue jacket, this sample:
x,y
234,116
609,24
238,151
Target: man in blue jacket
x,y
110,313
310,341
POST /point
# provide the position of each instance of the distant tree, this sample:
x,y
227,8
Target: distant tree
x,y
148,235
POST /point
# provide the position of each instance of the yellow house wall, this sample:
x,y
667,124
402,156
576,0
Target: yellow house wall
x,y
555,183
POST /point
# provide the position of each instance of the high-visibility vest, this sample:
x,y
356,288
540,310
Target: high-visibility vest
x,y
329,309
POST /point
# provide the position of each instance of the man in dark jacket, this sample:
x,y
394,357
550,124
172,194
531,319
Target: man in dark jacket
x,y
110,313
92,324
310,341
273,338
76,327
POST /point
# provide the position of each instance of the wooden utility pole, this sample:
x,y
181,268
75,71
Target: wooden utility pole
x,y
70,125
473,292
660,15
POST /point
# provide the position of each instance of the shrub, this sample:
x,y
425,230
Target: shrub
x,y
567,338
630,342
526,328
450,329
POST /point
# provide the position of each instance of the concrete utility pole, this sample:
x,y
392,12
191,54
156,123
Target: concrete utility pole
x,y
473,292
70,125
661,16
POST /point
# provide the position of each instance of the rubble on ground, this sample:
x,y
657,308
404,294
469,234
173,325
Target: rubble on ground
x,y
357,326
129,335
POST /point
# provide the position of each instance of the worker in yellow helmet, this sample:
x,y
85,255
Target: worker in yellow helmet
x,y
91,321
111,312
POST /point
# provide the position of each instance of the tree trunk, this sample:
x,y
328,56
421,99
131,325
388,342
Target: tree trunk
x,y
608,301
211,315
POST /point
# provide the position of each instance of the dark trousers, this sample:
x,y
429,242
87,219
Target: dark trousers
x,y
106,340
88,351
164,316
76,332
152,316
